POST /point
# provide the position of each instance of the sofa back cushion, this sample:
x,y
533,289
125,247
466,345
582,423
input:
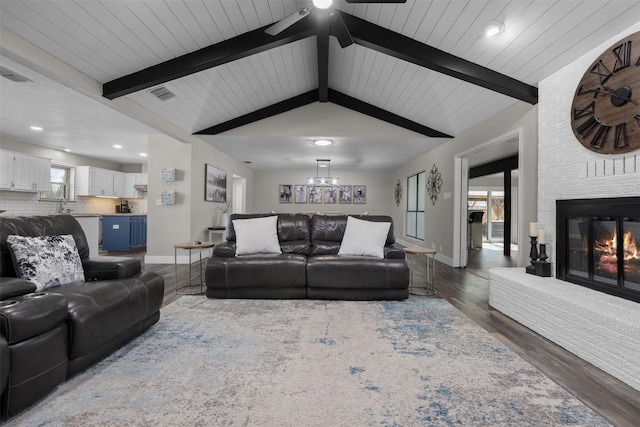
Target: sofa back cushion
x,y
33,226
327,231
294,231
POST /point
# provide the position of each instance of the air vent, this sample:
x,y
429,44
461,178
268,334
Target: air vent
x,y
162,93
13,76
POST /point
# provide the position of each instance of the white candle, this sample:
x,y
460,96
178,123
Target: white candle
x,y
542,237
533,229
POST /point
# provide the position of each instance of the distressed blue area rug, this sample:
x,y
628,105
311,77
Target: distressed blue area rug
x,y
304,363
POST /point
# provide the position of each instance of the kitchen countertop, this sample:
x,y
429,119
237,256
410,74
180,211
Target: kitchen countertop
x,y
101,215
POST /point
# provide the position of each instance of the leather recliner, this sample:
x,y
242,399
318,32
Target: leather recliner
x,y
309,266
47,337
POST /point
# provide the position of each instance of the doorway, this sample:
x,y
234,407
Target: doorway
x,y
504,147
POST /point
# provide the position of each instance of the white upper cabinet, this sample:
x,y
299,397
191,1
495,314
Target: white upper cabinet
x,y
24,173
93,181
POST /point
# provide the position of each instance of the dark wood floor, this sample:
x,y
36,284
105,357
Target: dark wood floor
x,y
468,290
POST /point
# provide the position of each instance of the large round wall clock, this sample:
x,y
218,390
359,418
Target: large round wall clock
x,y
605,115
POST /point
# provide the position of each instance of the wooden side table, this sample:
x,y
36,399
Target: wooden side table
x,y
190,289
430,262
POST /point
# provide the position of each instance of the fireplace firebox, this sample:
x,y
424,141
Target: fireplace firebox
x,y
598,244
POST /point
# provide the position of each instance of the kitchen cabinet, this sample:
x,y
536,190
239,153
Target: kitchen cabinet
x,y
124,232
24,173
132,179
93,181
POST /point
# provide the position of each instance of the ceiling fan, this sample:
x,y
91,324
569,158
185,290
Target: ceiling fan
x,y
337,25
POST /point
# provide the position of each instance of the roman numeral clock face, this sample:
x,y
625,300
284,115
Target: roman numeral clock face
x,y
605,115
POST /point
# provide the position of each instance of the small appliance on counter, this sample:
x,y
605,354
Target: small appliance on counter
x,y
123,207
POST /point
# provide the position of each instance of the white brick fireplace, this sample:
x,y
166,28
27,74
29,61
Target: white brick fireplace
x,y
599,328
567,170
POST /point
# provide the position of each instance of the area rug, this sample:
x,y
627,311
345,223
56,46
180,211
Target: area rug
x,y
418,362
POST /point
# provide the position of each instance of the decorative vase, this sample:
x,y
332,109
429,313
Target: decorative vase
x,y
222,220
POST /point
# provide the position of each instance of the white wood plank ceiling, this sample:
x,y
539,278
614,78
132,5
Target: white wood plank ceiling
x,y
110,39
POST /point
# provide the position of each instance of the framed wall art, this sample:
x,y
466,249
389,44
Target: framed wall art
x,y
344,196
215,184
315,195
285,193
300,194
359,194
330,195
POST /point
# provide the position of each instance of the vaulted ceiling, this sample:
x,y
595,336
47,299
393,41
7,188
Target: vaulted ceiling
x,y
422,66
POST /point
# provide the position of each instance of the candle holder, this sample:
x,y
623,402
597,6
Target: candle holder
x,y
542,267
533,254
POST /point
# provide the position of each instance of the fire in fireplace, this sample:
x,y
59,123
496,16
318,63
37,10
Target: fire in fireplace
x,y
589,252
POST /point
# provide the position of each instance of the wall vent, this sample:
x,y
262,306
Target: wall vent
x,y
13,76
162,93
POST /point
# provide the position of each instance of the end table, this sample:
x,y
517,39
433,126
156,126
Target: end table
x,y
190,289
430,261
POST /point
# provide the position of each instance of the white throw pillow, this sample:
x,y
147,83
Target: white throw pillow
x,y
364,238
46,261
257,236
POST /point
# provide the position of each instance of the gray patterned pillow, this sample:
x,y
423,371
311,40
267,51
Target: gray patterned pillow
x,y
46,261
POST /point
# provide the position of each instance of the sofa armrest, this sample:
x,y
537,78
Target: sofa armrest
x,y
224,250
391,252
110,268
12,287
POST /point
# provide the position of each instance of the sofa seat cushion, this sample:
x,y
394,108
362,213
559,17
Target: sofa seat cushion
x,y
356,272
255,271
101,311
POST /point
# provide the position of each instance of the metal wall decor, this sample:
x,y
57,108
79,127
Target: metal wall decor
x,y
434,184
397,193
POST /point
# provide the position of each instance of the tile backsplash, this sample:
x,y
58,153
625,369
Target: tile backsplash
x,y
17,203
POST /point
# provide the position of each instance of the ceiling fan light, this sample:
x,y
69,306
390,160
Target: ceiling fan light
x,y
493,28
322,4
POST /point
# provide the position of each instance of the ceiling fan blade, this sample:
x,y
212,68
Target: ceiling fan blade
x,y
285,23
376,1
340,30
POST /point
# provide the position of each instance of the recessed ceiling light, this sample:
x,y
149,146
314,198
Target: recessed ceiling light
x,y
67,150
117,146
36,128
322,142
493,28
322,4
143,154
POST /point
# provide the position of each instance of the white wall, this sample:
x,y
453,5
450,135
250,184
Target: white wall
x,y
379,192
187,220
565,167
439,218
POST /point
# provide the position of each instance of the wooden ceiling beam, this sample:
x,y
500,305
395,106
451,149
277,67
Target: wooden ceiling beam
x,y
407,49
371,110
263,113
244,45
322,31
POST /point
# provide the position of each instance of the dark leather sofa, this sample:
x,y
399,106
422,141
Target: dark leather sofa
x,y
47,337
309,266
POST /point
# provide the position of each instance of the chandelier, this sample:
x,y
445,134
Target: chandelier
x,y
322,181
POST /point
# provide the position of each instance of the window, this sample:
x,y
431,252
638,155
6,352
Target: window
x,y
62,178
415,205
